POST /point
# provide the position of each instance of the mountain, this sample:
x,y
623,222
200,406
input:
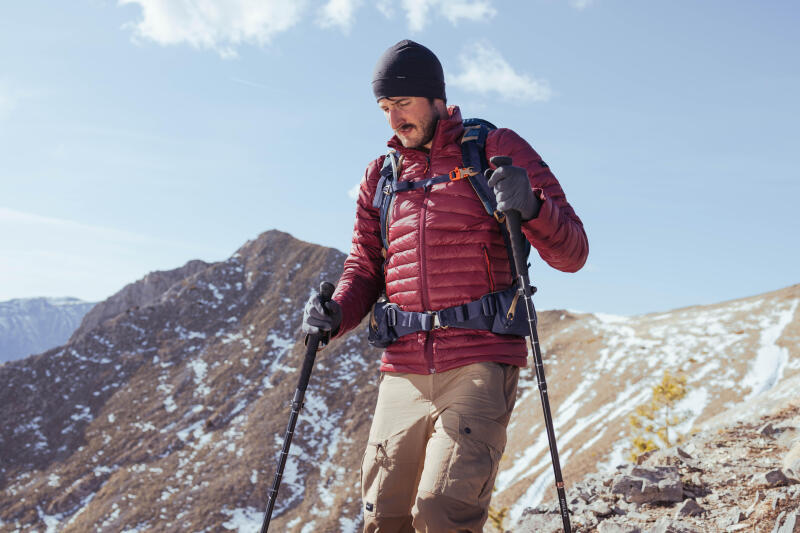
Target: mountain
x,y
169,414
33,325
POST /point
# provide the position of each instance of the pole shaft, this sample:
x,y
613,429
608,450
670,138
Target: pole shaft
x,y
312,345
297,405
513,224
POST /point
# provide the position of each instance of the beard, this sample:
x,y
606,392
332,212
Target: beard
x,y
422,132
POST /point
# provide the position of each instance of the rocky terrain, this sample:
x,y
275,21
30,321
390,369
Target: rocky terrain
x,y
742,476
166,409
33,325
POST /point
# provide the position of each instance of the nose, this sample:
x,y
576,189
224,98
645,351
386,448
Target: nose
x,y
396,118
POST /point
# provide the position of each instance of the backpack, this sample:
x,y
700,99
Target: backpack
x,y
473,158
494,312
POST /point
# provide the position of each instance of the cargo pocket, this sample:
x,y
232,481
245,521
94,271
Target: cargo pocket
x,y
371,469
388,481
475,457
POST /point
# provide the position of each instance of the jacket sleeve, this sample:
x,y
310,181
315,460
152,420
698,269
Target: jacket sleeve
x,y
557,233
362,279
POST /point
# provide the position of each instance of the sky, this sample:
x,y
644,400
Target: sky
x,y
140,134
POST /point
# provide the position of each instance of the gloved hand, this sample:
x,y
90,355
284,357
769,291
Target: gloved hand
x,y
319,317
512,188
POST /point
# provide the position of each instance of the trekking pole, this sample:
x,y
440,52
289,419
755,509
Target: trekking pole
x,y
513,224
312,343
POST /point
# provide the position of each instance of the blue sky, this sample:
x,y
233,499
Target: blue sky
x,y
138,135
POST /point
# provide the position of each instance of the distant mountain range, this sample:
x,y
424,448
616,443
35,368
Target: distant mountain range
x,y
167,407
33,325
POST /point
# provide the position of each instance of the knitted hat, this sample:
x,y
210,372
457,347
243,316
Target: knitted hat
x,y
408,69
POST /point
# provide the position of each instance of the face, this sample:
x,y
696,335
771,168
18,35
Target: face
x,y
413,119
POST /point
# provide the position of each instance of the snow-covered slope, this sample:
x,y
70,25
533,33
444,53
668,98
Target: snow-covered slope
x,y
33,325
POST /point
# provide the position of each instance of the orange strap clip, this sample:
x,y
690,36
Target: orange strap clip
x,y
461,173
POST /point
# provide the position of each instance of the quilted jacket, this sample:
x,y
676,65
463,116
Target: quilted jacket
x,y
445,250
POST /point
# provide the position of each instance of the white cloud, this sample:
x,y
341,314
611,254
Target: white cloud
x,y
455,10
338,13
386,7
224,25
353,193
485,71
581,4
219,25
418,11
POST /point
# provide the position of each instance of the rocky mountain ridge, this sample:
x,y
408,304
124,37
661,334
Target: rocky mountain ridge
x,y
141,293
168,415
33,325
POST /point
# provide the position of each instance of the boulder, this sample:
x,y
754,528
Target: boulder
x,y
600,509
772,479
767,430
645,484
689,508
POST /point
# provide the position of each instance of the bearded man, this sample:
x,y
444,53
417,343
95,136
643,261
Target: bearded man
x,y
447,389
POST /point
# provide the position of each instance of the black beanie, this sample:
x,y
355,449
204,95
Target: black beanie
x,y
408,69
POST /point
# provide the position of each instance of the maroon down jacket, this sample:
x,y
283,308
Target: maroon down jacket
x,y
445,250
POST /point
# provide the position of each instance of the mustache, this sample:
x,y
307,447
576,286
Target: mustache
x,y
401,126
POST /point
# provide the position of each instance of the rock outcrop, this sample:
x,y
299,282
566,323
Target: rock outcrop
x,y
138,294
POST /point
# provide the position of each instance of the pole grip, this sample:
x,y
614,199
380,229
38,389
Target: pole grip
x,y
514,226
513,221
326,289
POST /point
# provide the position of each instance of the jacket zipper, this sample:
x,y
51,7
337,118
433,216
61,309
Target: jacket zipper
x,y
423,270
488,267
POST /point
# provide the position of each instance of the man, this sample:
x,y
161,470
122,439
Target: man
x,y
446,394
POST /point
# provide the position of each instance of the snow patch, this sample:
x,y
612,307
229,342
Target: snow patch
x,y
244,520
767,368
200,369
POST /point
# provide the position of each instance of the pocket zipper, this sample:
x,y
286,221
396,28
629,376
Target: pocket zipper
x,y
488,268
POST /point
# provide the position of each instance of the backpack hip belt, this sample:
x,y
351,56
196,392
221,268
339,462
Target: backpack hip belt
x,y
496,312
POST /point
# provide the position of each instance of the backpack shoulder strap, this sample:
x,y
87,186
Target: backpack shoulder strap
x,y
385,190
473,154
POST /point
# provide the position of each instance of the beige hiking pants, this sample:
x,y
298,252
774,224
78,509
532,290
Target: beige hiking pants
x,y
434,448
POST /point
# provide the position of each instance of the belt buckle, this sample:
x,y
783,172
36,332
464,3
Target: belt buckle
x,y
437,323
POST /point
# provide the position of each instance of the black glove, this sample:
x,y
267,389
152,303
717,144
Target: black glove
x,y
319,317
512,188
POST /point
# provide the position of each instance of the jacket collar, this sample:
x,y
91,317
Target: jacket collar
x,y
448,131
